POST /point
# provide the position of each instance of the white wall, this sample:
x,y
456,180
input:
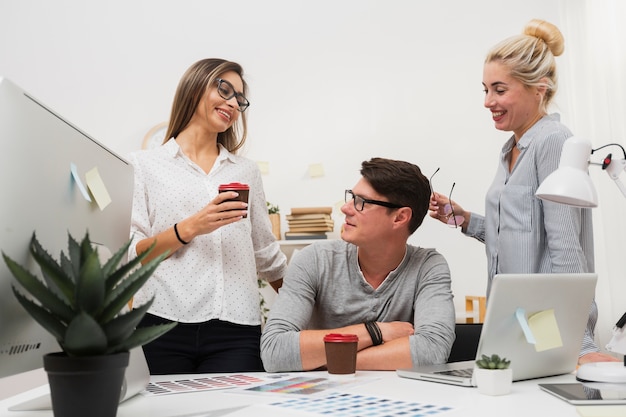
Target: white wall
x,y
332,82
596,108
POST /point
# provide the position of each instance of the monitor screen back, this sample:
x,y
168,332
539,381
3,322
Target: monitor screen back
x,y
43,164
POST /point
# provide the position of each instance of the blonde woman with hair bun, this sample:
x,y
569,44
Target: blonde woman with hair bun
x,y
521,233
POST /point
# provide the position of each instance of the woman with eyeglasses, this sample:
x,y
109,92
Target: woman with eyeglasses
x,y
523,234
215,248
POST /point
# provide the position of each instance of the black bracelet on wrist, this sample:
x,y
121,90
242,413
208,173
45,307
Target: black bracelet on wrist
x,y
379,334
375,334
177,235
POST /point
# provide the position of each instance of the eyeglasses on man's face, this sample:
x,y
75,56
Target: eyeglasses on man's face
x,y
359,202
227,91
452,219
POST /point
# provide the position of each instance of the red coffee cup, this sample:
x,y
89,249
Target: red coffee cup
x,y
242,189
341,352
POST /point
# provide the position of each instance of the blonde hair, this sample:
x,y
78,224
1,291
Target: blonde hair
x,y
530,56
189,92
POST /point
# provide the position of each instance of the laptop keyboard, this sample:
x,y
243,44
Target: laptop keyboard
x,y
461,373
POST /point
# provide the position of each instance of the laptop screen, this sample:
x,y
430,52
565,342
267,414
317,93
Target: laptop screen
x,y
537,321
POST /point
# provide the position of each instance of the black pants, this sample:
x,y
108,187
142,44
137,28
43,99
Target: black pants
x,y
209,347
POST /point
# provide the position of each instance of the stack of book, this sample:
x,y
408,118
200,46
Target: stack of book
x,y
309,223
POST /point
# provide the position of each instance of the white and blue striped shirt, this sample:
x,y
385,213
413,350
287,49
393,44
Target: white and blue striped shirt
x,y
523,234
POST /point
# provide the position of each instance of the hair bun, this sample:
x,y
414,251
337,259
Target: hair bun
x,y
547,32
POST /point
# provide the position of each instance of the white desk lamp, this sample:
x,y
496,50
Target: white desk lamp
x,y
570,184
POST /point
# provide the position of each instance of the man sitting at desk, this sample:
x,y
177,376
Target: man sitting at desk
x,y
394,296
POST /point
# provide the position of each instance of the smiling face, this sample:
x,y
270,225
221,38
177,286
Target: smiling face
x,y
220,114
514,107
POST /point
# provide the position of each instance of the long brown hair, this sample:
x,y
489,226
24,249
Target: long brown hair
x,y
189,92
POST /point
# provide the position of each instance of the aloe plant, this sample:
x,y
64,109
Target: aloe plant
x,y
492,362
81,302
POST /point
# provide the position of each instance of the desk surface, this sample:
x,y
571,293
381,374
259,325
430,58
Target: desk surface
x,y
526,399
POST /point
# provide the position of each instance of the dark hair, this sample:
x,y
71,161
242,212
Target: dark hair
x,y
189,92
402,183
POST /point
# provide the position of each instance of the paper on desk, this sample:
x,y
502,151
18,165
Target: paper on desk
x,y
214,413
303,385
601,410
206,383
357,405
546,330
97,188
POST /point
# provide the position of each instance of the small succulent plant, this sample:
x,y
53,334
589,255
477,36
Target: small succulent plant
x,y
272,209
81,301
492,362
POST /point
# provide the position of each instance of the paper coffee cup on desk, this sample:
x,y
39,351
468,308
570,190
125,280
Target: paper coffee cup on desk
x,y
341,352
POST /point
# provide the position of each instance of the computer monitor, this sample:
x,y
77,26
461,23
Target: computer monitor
x,y
39,193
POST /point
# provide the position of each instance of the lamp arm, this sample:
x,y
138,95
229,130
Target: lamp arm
x,y
614,169
617,344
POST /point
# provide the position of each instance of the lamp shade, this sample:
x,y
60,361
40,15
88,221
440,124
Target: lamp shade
x,y
570,184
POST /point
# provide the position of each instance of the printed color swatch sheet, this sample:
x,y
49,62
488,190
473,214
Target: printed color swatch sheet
x,y
297,385
202,384
354,405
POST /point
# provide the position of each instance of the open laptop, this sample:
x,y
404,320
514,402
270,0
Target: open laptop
x,y
136,379
568,295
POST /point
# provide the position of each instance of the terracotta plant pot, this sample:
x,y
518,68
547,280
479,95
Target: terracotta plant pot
x,y
85,386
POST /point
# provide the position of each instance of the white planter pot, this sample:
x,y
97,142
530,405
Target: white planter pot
x,y
494,381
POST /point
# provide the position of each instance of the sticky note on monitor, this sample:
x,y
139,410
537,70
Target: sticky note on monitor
x,y
79,182
546,330
97,188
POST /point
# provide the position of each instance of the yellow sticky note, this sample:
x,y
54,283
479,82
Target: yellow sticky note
x,y
264,167
97,188
546,330
316,170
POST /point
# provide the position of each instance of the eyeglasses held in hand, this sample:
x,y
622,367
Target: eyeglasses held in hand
x,y
359,202
430,181
227,91
452,219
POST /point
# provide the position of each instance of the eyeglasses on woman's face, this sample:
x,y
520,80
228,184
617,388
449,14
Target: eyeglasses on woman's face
x,y
359,202
227,91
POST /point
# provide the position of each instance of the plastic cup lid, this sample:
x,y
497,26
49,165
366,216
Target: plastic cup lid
x,y
234,186
338,337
